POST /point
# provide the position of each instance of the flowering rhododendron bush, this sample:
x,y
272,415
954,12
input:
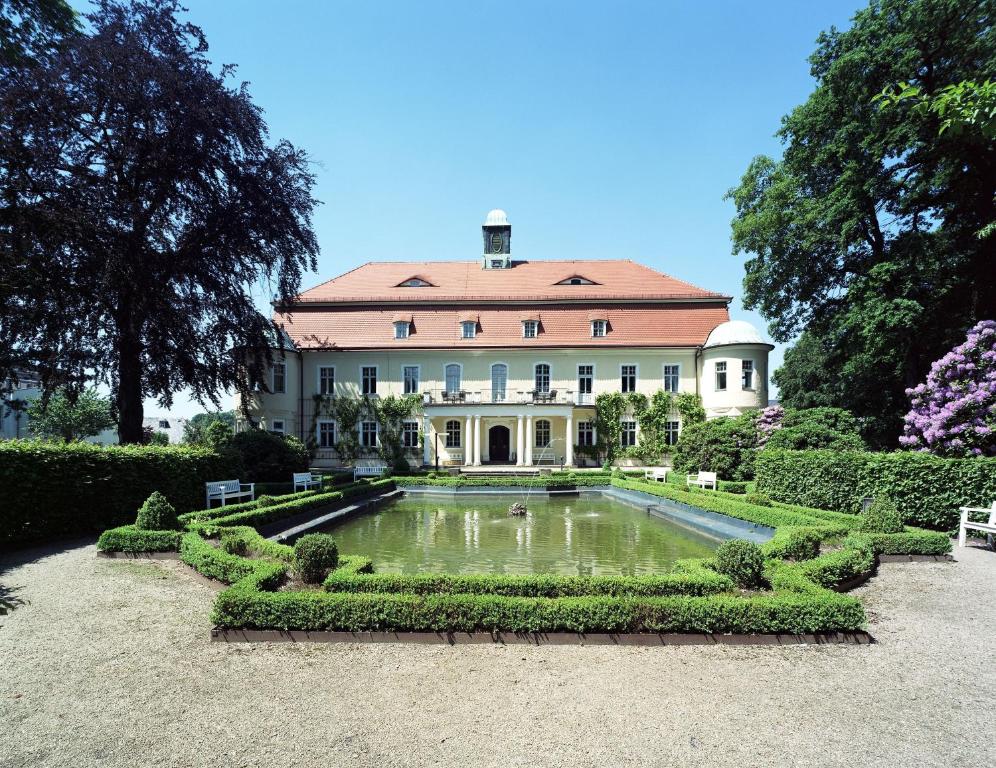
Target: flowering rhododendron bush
x,y
954,411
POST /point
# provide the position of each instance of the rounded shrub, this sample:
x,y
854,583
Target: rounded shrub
x,y
315,554
758,499
156,514
742,561
881,517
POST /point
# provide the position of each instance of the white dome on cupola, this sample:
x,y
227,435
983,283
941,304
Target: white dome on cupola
x,y
734,332
495,218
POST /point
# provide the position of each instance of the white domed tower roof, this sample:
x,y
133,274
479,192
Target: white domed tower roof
x,y
734,332
496,218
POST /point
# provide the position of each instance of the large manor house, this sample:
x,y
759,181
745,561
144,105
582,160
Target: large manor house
x,y
507,357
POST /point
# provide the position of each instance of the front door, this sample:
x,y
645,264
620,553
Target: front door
x,y
498,440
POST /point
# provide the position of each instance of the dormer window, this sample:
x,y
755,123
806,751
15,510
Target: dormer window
x,y
598,328
530,328
468,329
415,282
401,329
576,280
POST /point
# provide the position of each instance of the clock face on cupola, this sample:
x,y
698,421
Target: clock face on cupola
x,y
497,240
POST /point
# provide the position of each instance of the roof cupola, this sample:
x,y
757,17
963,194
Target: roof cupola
x,y
497,240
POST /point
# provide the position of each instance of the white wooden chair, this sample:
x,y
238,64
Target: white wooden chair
x,y
657,474
967,522
226,490
306,480
702,479
372,470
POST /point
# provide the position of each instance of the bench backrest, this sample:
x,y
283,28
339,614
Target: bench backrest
x,y
992,514
707,475
303,477
223,485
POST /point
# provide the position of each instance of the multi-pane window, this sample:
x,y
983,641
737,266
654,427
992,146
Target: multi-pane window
x,y
410,376
453,378
368,434
277,426
671,429
748,374
452,433
598,328
671,373
326,380
586,377
628,434
468,329
628,378
586,433
542,433
499,381
409,434
280,377
401,329
326,434
542,378
368,379
720,376
530,328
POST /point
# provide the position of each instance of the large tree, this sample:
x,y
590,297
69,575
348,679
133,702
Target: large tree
x,y
141,203
31,28
865,233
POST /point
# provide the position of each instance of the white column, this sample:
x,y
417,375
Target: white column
x,y
468,442
569,448
426,441
520,453
529,440
477,441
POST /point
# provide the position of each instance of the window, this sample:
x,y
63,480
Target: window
x,y
542,433
277,427
410,376
542,378
497,263
326,434
415,282
530,328
368,434
720,376
586,378
598,328
401,329
453,378
628,378
453,434
671,375
163,424
671,429
409,434
499,381
576,280
628,434
279,378
368,379
586,433
748,374
326,380
468,329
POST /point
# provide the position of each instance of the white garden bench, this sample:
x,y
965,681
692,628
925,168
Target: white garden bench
x,y
306,480
371,470
657,474
702,479
966,522
225,490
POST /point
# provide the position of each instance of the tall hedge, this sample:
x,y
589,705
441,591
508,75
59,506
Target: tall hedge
x,y
926,489
52,490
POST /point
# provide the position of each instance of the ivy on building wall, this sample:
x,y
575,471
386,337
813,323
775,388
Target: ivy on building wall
x,y
388,412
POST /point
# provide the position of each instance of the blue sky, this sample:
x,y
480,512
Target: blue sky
x,y
608,130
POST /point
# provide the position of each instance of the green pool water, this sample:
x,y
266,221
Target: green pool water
x,y
474,534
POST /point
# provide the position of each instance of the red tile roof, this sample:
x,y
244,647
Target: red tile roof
x,y
561,325
526,281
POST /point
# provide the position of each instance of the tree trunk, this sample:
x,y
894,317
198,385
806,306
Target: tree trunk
x,y
129,395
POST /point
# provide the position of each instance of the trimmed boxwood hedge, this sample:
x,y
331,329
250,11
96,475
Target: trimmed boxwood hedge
x,y
128,538
926,489
553,480
54,490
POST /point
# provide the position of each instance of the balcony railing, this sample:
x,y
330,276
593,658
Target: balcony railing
x,y
479,396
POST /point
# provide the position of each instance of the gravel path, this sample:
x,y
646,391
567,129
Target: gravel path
x,y
75,691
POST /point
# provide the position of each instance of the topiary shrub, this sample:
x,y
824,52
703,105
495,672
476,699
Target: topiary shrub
x,y
265,501
735,487
881,517
758,499
742,561
156,514
315,554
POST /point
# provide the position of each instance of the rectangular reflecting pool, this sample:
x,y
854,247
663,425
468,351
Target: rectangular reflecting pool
x,y
586,536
